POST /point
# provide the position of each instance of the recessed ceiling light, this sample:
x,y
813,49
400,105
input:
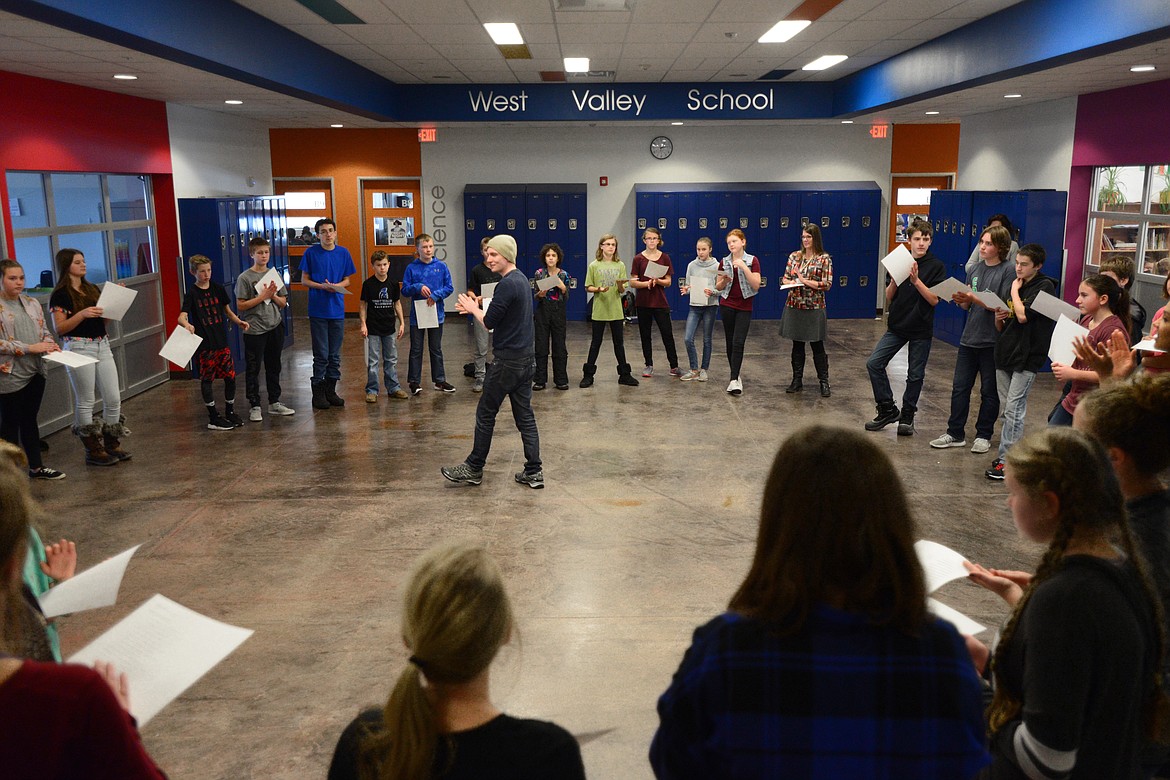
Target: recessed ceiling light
x,y
823,63
132,77
335,125
234,102
783,31
576,64
1013,95
931,113
504,33
676,123
1142,68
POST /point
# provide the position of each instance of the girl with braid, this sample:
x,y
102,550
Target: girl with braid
x,y
1077,668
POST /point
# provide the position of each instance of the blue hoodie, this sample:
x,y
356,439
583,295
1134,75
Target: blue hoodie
x,y
434,275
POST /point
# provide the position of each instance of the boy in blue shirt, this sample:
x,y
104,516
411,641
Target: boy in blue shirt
x,y
325,270
426,279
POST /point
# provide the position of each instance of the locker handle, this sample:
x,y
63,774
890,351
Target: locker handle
x,y
223,242
843,281
863,281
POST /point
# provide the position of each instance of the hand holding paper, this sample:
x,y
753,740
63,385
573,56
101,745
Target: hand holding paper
x,y
115,300
940,564
1060,348
991,300
545,284
426,315
93,588
272,277
656,271
1052,307
898,263
180,347
71,359
961,622
947,288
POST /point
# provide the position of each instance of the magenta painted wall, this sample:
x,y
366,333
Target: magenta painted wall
x,y
1128,126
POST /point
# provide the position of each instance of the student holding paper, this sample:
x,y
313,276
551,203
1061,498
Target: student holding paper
x,y
79,323
650,300
1021,349
440,720
606,279
1098,298
809,672
910,307
56,720
325,269
551,321
995,220
264,342
24,339
426,281
738,281
206,310
700,284
977,345
1077,666
804,314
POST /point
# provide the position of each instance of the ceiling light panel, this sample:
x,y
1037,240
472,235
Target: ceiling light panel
x,y
784,31
504,33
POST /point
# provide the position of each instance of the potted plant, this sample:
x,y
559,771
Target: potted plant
x,y
1164,195
1112,192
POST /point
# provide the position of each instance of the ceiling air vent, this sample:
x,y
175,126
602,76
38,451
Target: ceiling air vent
x,y
592,75
594,5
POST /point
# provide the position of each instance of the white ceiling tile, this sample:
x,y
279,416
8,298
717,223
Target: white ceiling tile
x,y
646,52
591,33
662,33
435,12
768,11
655,11
453,34
872,30
539,33
407,52
374,34
910,13
592,17
518,11
850,9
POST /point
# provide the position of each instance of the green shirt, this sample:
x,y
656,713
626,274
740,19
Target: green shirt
x,y
607,306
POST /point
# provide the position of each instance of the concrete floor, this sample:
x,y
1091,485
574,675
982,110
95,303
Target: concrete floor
x,y
302,528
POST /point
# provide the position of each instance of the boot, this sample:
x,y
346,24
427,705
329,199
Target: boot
x,y
331,396
797,374
111,436
821,361
587,380
625,375
906,422
319,401
95,451
887,412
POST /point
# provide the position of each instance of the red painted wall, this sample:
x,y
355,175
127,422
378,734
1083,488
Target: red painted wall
x,y
51,126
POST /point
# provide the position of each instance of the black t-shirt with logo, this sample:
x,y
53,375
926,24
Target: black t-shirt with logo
x,y
205,311
380,298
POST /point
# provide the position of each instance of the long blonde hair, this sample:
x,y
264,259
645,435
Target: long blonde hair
x,y
456,615
598,255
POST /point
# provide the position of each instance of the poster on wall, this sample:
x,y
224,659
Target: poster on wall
x,y
393,231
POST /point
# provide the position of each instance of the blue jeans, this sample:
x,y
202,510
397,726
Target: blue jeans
x,y
888,346
1013,400
697,315
326,336
972,361
381,351
1060,416
482,340
511,379
88,380
434,339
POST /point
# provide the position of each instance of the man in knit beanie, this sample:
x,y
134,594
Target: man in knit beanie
x,y
513,365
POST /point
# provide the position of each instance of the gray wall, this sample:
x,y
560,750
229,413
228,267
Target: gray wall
x,y
214,154
1029,147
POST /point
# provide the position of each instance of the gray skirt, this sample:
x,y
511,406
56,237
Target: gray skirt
x,y
803,324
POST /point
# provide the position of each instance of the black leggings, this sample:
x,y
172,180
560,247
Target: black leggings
x,y
615,334
229,391
647,317
18,419
818,348
736,324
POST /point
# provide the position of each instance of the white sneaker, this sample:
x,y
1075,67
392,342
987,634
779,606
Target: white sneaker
x,y
980,446
255,415
689,376
702,375
946,440
735,387
281,409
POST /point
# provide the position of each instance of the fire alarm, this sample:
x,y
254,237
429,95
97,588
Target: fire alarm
x,y
604,181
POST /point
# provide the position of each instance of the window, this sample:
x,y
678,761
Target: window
x,y
1130,216
108,217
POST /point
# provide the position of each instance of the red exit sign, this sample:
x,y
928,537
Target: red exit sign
x,y
427,135
879,131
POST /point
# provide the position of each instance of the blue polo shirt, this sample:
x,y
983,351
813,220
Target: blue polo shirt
x,y
323,265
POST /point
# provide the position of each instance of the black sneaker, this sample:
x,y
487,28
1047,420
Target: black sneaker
x,y
885,416
463,474
539,386
44,472
234,418
996,470
218,423
446,387
534,480
414,388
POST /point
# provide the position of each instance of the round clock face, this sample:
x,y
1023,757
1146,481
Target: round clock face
x,y
661,147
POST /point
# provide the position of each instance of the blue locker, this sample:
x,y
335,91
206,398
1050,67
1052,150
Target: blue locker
x,y
809,210
536,233
682,249
577,253
473,226
709,223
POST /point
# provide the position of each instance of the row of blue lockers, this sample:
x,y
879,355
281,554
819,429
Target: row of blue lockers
x,y
221,228
959,217
772,217
535,215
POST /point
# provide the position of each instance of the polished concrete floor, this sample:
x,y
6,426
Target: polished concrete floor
x,y
302,528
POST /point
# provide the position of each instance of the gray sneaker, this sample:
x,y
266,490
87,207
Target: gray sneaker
x,y
279,408
534,480
463,474
980,446
702,375
255,415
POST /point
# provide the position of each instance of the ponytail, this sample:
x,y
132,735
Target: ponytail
x,y
1117,295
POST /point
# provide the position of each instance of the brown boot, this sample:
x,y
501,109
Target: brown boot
x,y
95,451
111,437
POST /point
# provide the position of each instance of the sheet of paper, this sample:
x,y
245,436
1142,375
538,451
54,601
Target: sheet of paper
x,y
948,287
1060,348
181,346
699,283
269,278
115,300
940,564
964,624
898,263
163,648
341,290
790,285
488,290
71,359
656,271
426,317
95,587
547,283
991,300
1146,345
1052,307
